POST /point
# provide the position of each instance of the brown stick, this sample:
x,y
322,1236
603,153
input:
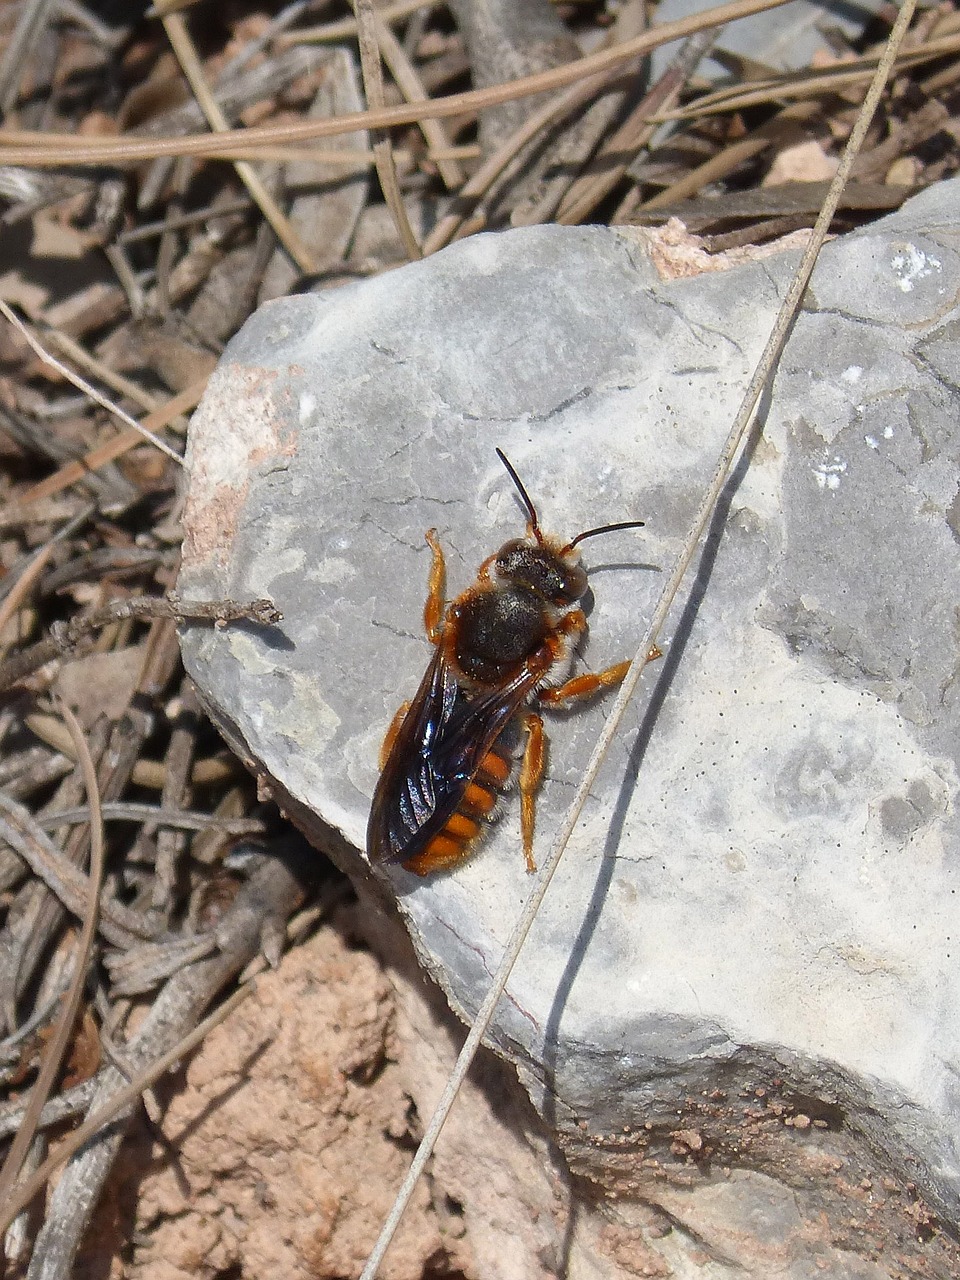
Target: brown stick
x,y
65,636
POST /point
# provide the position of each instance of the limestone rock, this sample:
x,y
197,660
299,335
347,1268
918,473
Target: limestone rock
x,y
752,938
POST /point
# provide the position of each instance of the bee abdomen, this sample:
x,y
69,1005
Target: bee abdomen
x,y
452,843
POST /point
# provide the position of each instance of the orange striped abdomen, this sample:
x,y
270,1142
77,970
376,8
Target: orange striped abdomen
x,y
452,844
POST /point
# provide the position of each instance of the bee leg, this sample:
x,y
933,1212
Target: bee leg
x,y
436,586
591,682
584,686
390,737
531,775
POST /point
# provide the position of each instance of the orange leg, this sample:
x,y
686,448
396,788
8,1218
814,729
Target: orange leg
x,y
584,686
573,623
589,683
390,737
531,775
436,586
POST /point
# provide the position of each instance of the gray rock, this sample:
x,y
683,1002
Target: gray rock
x,y
783,39
750,941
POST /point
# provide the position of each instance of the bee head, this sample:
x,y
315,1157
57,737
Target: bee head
x,y
555,574
550,569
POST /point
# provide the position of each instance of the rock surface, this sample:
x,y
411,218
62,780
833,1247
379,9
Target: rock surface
x,y
755,925
783,39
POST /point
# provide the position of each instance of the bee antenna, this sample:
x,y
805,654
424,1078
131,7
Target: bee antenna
x,y
604,528
531,509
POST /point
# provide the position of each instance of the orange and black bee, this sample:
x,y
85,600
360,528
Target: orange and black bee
x,y
499,647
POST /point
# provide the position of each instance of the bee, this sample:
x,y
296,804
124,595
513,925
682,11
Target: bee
x,y
501,646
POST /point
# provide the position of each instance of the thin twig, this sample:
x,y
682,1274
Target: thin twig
x,y
458,223
797,85
67,1104
209,771
725,464
345,28
81,384
17,53
65,636
408,82
73,472
254,47
122,1099
178,761
122,926
257,915
74,351
22,587
732,156
24,584
636,131
155,815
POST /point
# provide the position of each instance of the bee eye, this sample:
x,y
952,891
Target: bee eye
x,y
574,582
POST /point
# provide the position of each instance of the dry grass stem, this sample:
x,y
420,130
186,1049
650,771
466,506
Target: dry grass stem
x,y
382,147
635,132
121,444
176,29
411,86
122,1099
26,148
345,28
141,429
797,85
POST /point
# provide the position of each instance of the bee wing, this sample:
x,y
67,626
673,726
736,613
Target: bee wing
x,y
441,744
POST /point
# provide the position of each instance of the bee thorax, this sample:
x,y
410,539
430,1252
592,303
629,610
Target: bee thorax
x,y
497,630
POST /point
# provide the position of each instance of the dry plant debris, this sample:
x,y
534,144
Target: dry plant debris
x,y
160,175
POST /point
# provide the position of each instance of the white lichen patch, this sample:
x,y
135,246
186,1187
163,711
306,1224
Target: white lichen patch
x,y
276,559
911,265
308,719
249,653
873,443
332,570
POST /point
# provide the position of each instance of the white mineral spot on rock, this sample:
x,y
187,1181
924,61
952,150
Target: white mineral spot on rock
x,y
307,406
828,474
911,265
